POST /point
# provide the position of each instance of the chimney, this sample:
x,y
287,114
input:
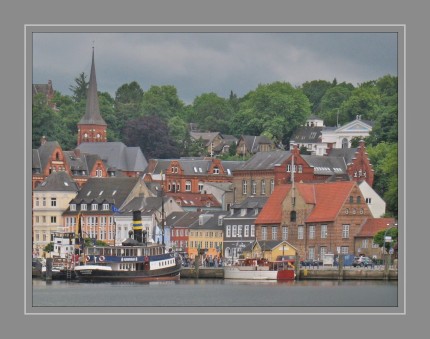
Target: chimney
x,y
43,140
139,234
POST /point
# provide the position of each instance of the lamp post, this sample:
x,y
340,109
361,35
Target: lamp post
x,y
385,236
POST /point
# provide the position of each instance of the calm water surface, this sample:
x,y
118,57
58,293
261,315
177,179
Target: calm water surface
x,y
216,292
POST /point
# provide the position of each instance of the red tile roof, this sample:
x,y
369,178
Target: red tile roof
x,y
272,210
373,226
330,197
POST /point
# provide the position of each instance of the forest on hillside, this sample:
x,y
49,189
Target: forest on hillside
x,y
157,120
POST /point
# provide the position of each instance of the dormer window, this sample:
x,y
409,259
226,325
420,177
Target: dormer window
x,y
105,207
73,207
94,207
216,170
83,207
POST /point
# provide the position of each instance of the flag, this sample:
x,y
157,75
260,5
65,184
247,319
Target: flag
x,y
114,209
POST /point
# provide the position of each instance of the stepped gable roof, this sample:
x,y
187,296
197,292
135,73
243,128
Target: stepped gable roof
x,y
326,165
272,212
347,153
116,155
307,135
183,219
112,190
58,181
330,198
264,160
372,226
92,112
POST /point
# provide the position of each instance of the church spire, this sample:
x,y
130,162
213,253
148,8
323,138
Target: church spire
x,y
92,127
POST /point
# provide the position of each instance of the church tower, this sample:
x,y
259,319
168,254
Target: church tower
x,y
92,127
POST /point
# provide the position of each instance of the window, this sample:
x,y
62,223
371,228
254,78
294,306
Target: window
x,y
293,216
347,211
345,231
323,251
94,207
254,187
300,169
244,187
264,233
37,219
216,170
312,232
53,202
272,185
200,186
344,143
344,249
364,243
239,231
288,168
368,201
252,230
43,201
246,230
263,187
36,202
228,231
351,199
53,219
300,232
105,207
99,173
274,233
324,231
358,200
83,207
188,186
234,232
284,232
311,254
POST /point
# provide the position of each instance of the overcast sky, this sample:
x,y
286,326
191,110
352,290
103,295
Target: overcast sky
x,y
197,63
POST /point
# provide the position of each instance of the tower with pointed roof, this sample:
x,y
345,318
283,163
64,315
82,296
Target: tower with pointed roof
x,y
92,127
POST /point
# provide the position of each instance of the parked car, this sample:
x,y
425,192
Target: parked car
x,y
311,262
362,262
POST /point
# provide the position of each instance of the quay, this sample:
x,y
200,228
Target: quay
x,y
324,273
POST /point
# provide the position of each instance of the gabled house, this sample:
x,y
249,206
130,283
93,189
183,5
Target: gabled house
x,y
317,218
50,157
239,226
118,158
269,249
252,144
375,203
95,203
211,141
178,224
50,199
364,244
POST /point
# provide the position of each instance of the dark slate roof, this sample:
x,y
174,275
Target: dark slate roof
x,y
36,164
195,167
210,221
147,205
76,163
347,153
58,181
183,219
326,165
92,113
307,135
269,244
231,165
116,155
45,151
252,142
265,160
156,166
206,136
224,186
112,190
251,202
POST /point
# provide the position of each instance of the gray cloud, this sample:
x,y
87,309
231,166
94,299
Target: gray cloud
x,y
197,63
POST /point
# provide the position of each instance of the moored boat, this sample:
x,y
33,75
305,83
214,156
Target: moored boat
x,y
135,260
260,269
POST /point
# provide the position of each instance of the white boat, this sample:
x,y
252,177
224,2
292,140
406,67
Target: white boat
x,y
256,269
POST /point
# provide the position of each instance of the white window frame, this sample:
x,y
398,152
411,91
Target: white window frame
x,y
244,187
311,231
252,230
246,233
253,187
300,232
311,252
263,187
83,207
53,202
345,231
274,232
239,230
188,186
105,207
324,231
227,231
94,207
272,185
284,232
263,233
344,249
234,231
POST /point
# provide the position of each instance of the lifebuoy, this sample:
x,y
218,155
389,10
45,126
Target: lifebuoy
x,y
102,258
88,258
146,259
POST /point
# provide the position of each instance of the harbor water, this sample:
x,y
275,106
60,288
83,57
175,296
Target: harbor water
x,y
216,293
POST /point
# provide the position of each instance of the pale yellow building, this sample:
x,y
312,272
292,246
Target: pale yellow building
x,y
50,199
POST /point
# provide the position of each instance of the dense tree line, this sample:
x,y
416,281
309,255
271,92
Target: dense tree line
x,y
157,119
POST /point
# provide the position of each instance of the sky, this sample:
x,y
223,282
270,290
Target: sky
x,y
197,63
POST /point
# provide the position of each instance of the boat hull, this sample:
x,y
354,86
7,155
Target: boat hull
x,y
93,274
251,273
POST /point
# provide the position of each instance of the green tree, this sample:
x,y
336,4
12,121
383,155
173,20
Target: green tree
x,y
162,101
364,101
314,91
379,238
49,248
331,102
277,109
80,88
178,131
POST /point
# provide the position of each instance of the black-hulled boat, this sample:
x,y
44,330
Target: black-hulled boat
x,y
134,261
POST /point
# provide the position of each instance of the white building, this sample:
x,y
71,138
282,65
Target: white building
x,y
375,203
